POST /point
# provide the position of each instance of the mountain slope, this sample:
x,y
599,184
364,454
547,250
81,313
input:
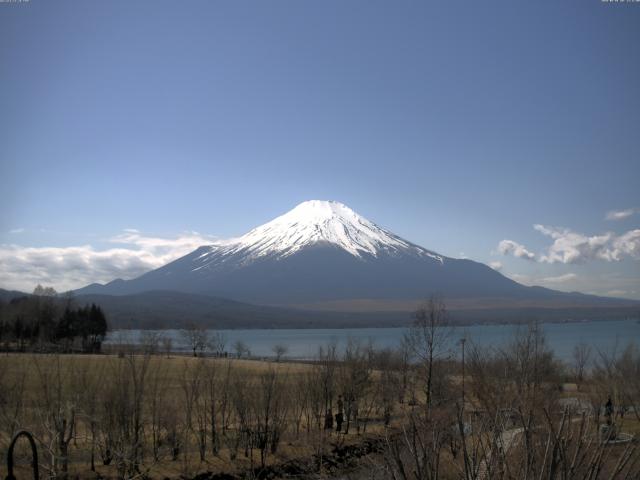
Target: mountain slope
x,y
170,309
325,252
166,309
8,295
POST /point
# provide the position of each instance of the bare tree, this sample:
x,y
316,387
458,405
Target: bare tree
x,y
242,396
57,407
628,370
417,452
241,349
172,425
41,291
279,350
195,404
405,372
428,339
195,337
150,342
122,411
217,343
300,402
215,399
225,396
12,399
269,413
89,378
137,369
581,358
156,404
354,377
615,375
167,345
323,393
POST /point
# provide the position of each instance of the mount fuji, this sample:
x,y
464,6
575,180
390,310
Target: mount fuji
x,y
324,256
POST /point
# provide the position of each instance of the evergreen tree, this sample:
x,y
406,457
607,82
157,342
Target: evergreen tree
x,y
43,320
97,327
18,332
66,328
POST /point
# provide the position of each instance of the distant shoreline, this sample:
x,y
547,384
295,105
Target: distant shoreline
x,y
407,325
562,337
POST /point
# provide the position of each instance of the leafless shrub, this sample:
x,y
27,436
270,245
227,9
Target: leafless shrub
x,y
581,358
354,383
241,349
57,406
279,351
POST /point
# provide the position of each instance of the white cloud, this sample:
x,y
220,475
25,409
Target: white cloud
x,y
551,281
163,246
16,230
509,247
620,214
616,293
567,277
521,278
603,284
67,268
628,244
496,265
573,247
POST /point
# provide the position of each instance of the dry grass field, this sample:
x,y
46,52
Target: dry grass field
x,y
516,413
167,416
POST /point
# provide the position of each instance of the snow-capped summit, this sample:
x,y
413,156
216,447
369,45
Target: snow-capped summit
x,y
319,222
319,251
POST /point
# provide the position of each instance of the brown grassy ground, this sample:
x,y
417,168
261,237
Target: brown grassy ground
x,y
34,370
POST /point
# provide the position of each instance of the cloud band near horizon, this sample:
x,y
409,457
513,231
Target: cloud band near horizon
x,y
570,247
68,268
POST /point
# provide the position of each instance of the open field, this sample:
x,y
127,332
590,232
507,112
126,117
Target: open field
x,y
410,412
126,415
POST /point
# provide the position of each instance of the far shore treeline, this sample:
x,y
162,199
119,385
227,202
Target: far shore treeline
x,y
46,322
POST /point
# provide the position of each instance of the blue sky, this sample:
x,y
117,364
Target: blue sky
x,y
457,125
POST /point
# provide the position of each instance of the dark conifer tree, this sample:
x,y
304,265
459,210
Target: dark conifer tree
x,y
97,327
43,322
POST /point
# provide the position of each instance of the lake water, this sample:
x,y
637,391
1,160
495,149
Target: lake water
x,y
304,343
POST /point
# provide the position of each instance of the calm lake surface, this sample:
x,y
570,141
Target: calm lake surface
x,y
304,343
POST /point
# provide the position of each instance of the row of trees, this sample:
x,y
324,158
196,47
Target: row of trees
x,y
201,341
44,322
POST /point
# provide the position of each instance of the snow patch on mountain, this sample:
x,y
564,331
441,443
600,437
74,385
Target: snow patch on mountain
x,y
316,222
